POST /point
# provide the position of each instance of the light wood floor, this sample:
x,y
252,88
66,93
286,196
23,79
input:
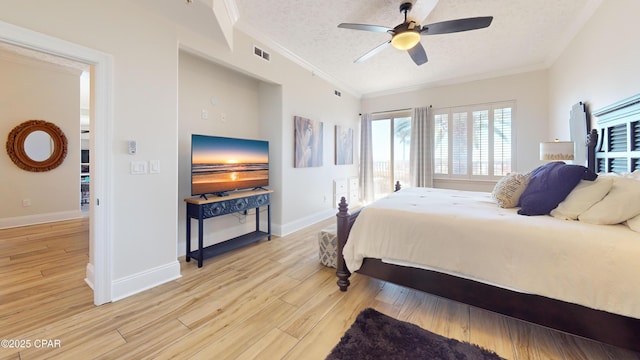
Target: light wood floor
x,y
271,300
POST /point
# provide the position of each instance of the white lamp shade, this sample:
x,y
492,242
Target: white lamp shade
x,y
557,150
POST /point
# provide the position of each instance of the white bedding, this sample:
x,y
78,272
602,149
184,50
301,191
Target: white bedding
x,y
466,234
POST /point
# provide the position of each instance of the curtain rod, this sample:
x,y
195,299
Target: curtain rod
x,y
391,111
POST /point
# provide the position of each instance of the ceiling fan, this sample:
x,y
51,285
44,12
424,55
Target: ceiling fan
x,y
406,36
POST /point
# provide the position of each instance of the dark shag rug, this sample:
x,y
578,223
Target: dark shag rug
x,y
377,336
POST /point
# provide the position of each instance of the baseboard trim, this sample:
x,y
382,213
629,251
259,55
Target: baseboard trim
x,y
286,229
89,275
136,283
26,220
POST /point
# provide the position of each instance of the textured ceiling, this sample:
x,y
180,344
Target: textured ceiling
x,y
525,35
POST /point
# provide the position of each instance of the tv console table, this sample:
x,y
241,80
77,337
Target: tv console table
x,y
200,209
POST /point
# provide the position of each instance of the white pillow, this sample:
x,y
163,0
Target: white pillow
x,y
620,204
634,175
611,174
508,190
582,197
634,223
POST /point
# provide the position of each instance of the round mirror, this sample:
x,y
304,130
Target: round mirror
x,y
37,145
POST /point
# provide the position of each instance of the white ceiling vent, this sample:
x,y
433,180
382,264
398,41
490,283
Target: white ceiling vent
x,y
261,53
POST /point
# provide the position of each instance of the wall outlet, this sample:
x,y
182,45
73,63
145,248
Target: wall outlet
x,y
26,202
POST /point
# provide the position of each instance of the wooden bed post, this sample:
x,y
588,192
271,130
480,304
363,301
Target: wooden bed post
x,y
592,142
343,227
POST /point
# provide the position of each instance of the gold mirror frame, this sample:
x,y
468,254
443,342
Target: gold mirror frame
x,y
17,153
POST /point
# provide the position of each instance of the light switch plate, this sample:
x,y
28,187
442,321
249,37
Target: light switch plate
x,y
138,167
154,166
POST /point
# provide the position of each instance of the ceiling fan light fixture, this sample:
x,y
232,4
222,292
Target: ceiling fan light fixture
x,y
405,40
406,36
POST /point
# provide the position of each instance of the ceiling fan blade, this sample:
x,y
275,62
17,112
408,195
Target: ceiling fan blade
x,y
365,27
372,52
418,54
458,25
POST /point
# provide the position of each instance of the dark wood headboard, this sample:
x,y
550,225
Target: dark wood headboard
x,y
616,141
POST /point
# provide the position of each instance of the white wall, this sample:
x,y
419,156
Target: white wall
x,y
145,50
271,124
144,208
299,198
600,65
529,90
220,91
309,191
34,90
597,67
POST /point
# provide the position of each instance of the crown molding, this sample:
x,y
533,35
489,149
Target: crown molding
x,y
457,80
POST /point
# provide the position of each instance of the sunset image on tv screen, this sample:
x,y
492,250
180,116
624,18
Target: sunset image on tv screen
x,y
220,164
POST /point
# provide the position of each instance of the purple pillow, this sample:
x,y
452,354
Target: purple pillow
x,y
549,184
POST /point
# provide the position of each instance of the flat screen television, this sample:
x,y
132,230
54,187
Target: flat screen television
x,y
222,164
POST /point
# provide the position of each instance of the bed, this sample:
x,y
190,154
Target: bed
x,y
539,269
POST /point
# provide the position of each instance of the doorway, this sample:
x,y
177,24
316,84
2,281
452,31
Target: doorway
x,y
391,138
100,265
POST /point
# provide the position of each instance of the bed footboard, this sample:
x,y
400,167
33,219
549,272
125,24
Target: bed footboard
x,y
575,319
345,222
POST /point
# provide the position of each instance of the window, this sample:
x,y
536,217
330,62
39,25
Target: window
x,y
391,140
474,142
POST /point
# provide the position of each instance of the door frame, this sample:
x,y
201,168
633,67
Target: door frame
x,y
100,234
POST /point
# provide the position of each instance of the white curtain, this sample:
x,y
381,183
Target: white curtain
x,y
421,153
366,159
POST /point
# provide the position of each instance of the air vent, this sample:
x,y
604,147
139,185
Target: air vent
x,y
261,53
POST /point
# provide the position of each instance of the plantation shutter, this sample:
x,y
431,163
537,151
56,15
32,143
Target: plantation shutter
x,y
474,142
480,162
459,149
441,144
502,141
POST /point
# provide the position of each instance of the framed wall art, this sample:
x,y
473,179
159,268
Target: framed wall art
x,y
308,142
344,145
